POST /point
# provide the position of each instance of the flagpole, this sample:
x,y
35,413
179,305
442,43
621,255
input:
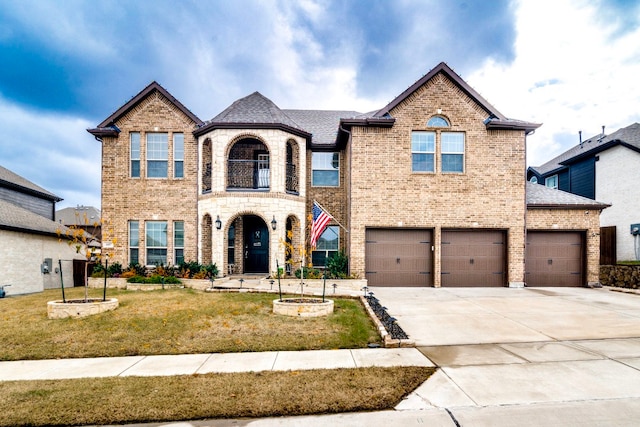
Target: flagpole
x,y
332,217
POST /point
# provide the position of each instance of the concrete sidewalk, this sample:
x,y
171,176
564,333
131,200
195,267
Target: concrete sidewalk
x,y
189,364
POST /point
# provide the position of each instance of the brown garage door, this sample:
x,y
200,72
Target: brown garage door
x,y
473,258
554,258
398,257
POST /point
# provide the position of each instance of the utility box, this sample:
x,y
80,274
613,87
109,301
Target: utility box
x,y
635,229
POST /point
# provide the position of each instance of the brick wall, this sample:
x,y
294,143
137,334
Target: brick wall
x,y
490,194
149,199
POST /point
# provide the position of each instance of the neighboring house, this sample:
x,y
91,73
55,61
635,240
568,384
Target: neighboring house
x,y
604,168
30,247
430,188
86,218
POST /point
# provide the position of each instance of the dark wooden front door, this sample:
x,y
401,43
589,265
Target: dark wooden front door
x,y
473,258
256,245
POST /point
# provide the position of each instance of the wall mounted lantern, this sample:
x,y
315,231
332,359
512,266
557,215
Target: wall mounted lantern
x,y
274,223
218,223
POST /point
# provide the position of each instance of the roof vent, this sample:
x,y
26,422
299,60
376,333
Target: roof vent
x,y
601,136
580,136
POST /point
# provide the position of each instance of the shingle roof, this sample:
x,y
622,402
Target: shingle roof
x,y
11,179
628,136
540,196
80,215
13,217
322,124
254,111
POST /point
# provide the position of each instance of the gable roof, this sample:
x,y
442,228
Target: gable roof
x,y
542,197
627,137
16,182
254,111
495,119
108,127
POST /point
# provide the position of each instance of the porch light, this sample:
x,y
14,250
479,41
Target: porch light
x,y
274,223
218,223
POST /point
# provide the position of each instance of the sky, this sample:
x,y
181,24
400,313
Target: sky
x,y
571,65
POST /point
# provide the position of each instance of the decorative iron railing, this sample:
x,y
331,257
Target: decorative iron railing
x,y
244,174
292,178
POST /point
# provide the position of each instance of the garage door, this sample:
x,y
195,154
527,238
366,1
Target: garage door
x,y
473,258
554,258
398,257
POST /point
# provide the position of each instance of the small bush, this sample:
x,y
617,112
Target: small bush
x,y
156,279
309,273
338,266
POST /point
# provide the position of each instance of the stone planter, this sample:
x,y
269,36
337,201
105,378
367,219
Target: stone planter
x,y
79,308
303,307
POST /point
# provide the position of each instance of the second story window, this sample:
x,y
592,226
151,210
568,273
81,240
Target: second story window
x,y
157,155
325,169
178,155
134,154
423,149
552,181
452,151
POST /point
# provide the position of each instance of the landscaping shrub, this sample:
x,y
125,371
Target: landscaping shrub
x,y
309,273
156,279
337,266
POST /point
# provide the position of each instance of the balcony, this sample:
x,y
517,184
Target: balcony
x,y
248,175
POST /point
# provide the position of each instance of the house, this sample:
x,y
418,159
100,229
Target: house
x,y
427,191
605,168
31,252
87,218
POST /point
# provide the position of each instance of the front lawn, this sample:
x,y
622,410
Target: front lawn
x,y
174,321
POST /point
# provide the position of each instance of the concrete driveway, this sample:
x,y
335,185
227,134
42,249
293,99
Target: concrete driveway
x,y
531,356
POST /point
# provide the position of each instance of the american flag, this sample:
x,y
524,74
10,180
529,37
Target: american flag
x,y
319,223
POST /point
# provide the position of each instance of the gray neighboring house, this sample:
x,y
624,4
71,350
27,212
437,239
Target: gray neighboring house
x,y
30,246
605,168
87,218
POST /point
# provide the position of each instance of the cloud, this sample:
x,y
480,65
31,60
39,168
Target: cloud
x,y
569,73
52,151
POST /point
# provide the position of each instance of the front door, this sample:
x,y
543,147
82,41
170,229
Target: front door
x,y
256,245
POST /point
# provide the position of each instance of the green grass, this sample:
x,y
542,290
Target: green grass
x,y
174,321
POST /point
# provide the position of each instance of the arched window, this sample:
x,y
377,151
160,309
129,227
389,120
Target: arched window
x,y
534,179
438,122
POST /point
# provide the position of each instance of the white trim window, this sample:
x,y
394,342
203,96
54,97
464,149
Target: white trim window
x,y
134,154
328,245
452,152
157,155
178,155
551,181
325,169
178,242
134,242
423,149
156,242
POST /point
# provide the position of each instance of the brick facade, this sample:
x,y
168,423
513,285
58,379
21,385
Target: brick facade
x,y
378,187
489,194
145,199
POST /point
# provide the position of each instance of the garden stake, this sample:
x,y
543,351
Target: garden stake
x,y
278,273
61,281
106,267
